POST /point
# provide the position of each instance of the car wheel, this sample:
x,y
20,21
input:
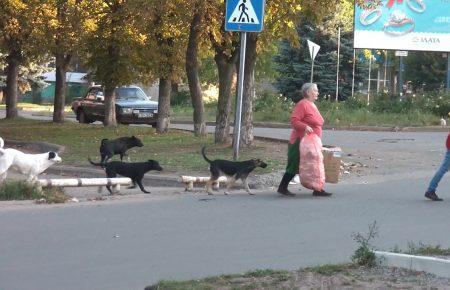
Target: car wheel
x,y
153,125
82,118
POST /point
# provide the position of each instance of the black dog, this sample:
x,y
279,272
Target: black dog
x,y
234,170
135,171
108,148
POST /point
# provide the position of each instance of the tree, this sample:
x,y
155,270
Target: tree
x,y
192,69
114,47
67,22
20,25
280,23
226,52
425,70
294,64
165,27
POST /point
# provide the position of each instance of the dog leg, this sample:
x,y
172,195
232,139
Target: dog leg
x,y
230,182
132,185
209,187
110,174
246,186
139,182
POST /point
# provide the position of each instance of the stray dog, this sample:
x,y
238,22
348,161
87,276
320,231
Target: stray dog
x,y
29,164
109,148
234,170
135,171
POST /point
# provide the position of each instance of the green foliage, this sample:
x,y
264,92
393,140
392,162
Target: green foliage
x,y
364,255
180,98
22,190
19,190
427,250
293,64
426,70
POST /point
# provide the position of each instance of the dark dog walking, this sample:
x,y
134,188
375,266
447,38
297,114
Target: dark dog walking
x,y
234,170
135,171
109,148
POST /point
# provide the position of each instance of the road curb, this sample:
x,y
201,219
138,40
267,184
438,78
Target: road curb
x,y
436,266
156,180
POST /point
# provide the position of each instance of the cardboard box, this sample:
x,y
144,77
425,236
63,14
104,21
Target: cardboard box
x,y
332,157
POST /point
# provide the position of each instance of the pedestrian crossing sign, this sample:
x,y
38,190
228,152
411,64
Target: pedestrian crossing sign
x,y
244,15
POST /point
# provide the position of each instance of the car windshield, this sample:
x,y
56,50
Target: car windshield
x,y
130,93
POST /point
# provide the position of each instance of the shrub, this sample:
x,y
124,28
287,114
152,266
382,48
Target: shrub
x,y
181,98
364,255
22,190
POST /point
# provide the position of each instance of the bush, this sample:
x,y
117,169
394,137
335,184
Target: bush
x,y
364,255
181,98
22,190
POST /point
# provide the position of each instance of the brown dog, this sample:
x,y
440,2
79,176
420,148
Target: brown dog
x,y
234,170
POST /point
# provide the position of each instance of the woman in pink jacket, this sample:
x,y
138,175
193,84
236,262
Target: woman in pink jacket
x,y
305,119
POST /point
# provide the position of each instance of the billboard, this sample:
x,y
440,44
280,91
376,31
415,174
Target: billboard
x,y
402,24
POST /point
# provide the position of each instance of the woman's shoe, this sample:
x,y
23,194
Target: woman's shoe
x,y
285,192
321,193
433,196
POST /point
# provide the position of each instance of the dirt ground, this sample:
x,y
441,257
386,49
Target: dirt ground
x,y
346,277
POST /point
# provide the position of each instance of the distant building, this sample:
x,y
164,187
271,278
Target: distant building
x,y
76,86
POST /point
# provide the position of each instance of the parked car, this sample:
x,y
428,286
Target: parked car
x,y
133,106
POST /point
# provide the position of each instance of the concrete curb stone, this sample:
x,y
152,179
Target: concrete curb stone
x,y
436,266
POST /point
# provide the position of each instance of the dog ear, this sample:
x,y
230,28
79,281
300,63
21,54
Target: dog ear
x,y
51,155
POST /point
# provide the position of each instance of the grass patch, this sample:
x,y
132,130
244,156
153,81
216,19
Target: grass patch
x,y
176,150
258,279
427,250
22,190
329,269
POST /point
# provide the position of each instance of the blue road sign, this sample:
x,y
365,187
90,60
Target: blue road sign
x,y
244,15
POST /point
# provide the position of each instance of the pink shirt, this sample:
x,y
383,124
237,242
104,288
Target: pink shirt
x,y
305,114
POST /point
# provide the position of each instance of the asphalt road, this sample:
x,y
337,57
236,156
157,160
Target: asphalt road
x,y
133,242
128,244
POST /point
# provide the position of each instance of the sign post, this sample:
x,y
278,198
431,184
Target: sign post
x,y
242,16
448,72
313,50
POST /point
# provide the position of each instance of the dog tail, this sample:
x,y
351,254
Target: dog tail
x,y
96,164
204,154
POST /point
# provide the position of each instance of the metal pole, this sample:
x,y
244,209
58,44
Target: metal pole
x,y
237,118
368,84
312,65
448,71
378,79
353,73
385,69
338,54
400,77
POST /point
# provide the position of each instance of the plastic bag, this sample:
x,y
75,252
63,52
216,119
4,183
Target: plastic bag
x,y
312,172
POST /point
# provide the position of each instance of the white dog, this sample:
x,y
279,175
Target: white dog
x,y
29,164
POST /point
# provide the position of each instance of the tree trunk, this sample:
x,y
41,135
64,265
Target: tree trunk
x,y
226,69
163,120
192,75
62,64
12,90
110,107
249,91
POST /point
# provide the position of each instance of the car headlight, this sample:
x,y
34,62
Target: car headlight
x,y
127,111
